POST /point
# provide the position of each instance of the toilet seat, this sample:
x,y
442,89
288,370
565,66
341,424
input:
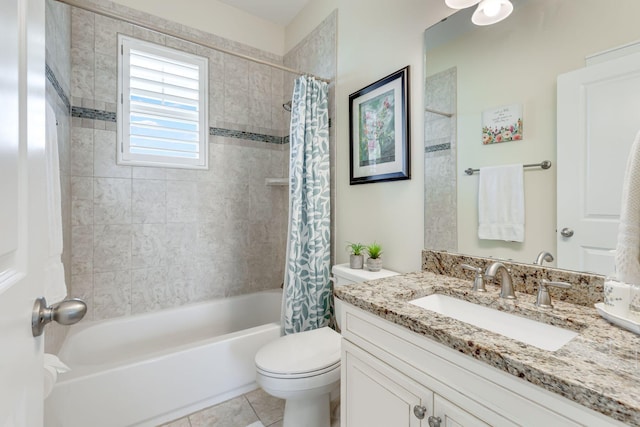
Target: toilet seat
x,y
302,355
291,387
301,374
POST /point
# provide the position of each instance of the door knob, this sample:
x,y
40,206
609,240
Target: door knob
x,y
566,232
66,312
435,421
419,411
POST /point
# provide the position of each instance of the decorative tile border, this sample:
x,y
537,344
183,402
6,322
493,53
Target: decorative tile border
x,y
438,147
56,85
108,116
251,136
91,113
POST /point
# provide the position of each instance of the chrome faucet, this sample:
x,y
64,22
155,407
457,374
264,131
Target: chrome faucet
x,y
506,290
543,256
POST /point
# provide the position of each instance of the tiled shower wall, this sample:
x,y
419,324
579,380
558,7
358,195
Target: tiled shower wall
x,y
440,194
150,238
58,70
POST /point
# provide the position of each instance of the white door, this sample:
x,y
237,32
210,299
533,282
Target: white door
x,y
22,204
598,118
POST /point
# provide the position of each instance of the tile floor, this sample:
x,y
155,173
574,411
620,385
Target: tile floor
x,y
254,409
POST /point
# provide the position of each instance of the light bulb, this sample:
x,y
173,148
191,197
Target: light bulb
x,y
491,11
492,8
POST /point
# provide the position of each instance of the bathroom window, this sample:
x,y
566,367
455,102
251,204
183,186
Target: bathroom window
x,y
162,113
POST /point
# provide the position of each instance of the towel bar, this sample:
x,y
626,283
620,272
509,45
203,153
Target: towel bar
x,y
546,164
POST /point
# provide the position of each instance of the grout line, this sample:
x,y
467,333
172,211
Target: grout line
x,y
251,406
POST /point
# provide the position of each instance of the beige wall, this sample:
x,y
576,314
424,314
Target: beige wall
x,y
517,62
308,18
217,18
373,42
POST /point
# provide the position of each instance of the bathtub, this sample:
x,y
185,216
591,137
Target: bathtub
x,y
148,369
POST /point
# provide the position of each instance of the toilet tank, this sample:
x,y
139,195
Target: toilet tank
x,y
344,275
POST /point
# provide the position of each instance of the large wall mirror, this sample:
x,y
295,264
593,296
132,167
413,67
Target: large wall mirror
x,y
470,70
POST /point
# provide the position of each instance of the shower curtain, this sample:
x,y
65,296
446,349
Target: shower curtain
x,y
307,297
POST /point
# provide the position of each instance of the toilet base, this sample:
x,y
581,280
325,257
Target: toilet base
x,y
310,412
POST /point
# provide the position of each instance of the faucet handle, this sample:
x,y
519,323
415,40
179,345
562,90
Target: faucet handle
x,y
478,281
544,299
471,267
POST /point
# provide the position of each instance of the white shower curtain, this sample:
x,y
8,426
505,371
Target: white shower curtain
x,y
307,298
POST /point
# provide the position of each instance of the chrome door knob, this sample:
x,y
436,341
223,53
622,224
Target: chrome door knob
x,y
419,412
566,232
66,312
435,421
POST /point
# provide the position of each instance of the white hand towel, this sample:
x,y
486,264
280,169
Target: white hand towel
x,y
55,287
628,245
501,203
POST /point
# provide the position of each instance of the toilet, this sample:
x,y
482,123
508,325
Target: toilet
x,y
304,368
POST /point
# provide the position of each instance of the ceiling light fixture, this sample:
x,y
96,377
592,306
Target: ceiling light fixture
x,y
491,11
488,11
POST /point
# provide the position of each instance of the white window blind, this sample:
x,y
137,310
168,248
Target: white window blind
x,y
162,114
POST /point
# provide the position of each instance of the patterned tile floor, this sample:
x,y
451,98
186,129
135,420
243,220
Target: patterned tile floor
x,y
254,409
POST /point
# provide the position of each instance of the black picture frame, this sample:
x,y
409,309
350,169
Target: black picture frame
x,y
379,143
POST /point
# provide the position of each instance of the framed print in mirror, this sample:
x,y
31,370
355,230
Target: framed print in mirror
x,y
379,147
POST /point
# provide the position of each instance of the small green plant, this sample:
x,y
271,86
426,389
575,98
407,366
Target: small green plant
x,y
374,250
356,248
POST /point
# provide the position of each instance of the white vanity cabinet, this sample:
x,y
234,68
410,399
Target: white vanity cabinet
x,y
392,377
379,395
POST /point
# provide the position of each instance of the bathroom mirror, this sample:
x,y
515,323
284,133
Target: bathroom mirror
x,y
471,70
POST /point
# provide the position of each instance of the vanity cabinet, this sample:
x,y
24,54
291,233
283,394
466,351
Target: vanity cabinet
x,y
389,371
379,395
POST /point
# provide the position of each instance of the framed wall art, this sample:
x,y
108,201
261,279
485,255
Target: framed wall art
x,y
379,148
502,124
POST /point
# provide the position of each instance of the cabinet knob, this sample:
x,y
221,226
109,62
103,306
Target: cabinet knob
x,y
434,421
419,411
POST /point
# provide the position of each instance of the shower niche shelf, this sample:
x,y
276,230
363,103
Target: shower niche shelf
x,y
276,182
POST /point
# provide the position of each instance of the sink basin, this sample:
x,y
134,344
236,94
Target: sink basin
x,y
531,332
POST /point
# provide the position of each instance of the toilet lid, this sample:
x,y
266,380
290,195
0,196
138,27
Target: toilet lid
x,y
300,353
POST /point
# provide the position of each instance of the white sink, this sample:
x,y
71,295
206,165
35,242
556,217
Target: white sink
x,y
531,332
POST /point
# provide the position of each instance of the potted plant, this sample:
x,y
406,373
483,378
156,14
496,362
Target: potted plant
x,y
356,259
374,262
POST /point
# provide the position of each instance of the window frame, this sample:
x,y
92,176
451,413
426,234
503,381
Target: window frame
x,y
124,154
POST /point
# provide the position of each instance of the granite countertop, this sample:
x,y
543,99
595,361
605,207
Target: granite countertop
x,y
599,368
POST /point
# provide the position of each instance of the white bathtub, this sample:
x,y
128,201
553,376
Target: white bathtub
x,y
147,369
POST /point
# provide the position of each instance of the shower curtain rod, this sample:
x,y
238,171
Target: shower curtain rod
x,y
114,15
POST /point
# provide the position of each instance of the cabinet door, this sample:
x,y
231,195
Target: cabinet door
x,y
377,396
451,415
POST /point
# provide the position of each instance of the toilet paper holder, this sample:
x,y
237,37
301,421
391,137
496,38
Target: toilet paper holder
x,y
67,312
